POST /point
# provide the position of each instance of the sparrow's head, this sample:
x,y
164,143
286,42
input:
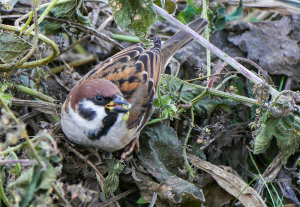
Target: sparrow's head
x,y
97,96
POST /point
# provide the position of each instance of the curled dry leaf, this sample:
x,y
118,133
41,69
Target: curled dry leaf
x,y
229,182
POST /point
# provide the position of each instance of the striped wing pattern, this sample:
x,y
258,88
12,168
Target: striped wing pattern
x,y
136,72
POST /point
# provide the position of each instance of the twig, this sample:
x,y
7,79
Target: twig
x,y
32,92
153,200
206,77
206,35
74,44
186,162
73,64
23,162
79,26
248,74
83,158
116,198
55,51
35,40
42,17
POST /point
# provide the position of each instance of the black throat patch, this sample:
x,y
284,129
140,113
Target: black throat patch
x,y
108,122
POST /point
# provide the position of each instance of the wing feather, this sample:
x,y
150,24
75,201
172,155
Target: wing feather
x,y
135,71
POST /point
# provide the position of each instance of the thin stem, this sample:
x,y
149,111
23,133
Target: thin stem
x,y
186,162
153,200
75,63
55,51
244,190
42,17
222,94
248,74
18,147
35,40
23,162
32,92
224,81
206,36
156,120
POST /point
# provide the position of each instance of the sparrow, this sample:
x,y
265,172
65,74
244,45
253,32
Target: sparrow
x,y
109,106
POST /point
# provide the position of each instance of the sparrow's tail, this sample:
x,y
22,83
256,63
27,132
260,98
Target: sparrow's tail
x,y
178,40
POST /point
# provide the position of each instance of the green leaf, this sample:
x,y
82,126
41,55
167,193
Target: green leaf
x,y
220,23
5,96
30,189
65,9
17,168
112,179
71,9
238,84
285,129
222,19
198,151
141,201
188,92
135,15
47,178
12,47
187,15
170,6
24,179
162,154
236,14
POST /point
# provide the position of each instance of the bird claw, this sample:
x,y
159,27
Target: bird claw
x,y
129,148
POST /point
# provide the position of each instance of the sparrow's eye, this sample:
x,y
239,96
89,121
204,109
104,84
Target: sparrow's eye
x,y
98,98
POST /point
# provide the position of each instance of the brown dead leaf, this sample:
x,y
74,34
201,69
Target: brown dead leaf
x,y
274,45
229,182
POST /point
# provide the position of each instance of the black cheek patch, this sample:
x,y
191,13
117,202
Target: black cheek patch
x,y
88,114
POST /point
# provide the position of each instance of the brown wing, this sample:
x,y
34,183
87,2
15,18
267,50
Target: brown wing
x,y
135,71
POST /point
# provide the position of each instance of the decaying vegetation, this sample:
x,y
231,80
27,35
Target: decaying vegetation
x,y
226,130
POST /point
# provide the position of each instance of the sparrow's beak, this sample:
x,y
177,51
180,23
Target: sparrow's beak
x,y
118,105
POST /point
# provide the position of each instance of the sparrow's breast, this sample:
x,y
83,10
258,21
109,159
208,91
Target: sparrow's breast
x,y
109,133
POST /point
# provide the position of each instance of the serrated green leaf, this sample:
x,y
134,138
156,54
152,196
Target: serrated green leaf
x,y
135,15
71,9
112,179
285,129
221,12
12,46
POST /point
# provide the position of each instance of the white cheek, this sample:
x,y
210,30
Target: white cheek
x,y
88,125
